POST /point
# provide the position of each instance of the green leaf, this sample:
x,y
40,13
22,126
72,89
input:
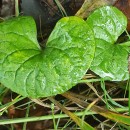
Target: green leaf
x,y
110,61
27,69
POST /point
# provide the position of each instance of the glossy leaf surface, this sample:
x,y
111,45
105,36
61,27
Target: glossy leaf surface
x,y
27,69
110,61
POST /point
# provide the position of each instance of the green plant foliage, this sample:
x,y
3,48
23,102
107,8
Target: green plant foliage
x,y
31,71
27,69
110,61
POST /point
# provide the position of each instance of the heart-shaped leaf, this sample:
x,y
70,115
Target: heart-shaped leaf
x,y
110,61
31,71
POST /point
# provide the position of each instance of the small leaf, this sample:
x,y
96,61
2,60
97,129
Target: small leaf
x,y
30,71
110,61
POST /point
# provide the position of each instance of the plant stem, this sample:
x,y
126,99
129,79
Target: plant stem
x,y
27,114
89,80
16,8
31,119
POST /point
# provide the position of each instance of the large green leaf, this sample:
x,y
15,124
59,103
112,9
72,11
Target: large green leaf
x,y
31,71
110,61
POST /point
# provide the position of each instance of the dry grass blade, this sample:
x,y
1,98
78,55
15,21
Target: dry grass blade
x,y
102,111
83,125
38,101
90,5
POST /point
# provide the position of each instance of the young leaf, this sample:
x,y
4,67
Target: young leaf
x,y
110,61
30,71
